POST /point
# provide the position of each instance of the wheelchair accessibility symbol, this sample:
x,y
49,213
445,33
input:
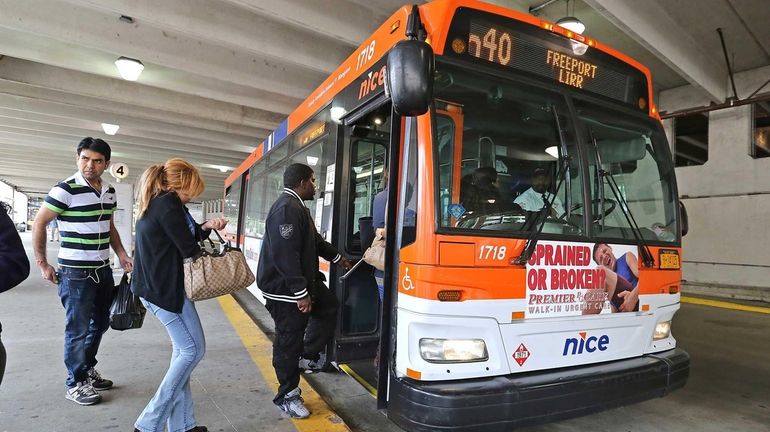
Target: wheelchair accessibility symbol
x,y
406,281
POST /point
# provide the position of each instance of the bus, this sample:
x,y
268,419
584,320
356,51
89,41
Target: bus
x,y
533,227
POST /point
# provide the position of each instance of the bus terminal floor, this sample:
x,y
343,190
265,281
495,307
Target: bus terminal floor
x,y
729,386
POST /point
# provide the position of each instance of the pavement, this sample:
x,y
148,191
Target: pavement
x,y
729,386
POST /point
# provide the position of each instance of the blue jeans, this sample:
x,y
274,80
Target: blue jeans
x,y
86,295
172,403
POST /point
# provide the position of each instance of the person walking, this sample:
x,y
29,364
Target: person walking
x,y
83,205
14,265
166,234
289,278
53,231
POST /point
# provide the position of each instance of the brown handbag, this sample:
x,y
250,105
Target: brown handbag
x,y
375,254
216,273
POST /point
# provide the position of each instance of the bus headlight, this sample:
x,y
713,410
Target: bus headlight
x,y
453,350
662,330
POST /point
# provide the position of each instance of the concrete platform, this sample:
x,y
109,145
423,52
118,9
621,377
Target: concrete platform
x,y
231,391
729,387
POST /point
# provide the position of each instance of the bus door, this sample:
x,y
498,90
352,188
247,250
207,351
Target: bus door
x,y
365,161
234,196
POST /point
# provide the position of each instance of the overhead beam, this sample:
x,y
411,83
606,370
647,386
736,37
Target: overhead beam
x,y
57,113
325,17
74,135
59,21
48,82
135,158
650,26
232,27
43,122
45,51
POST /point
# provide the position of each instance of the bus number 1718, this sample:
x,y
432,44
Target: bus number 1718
x,y
487,252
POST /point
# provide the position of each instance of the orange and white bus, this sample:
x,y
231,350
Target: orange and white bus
x,y
534,228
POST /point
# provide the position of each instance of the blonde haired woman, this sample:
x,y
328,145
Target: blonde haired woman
x,y
166,234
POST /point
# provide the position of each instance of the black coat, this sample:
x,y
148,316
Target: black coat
x,y
14,265
163,241
288,261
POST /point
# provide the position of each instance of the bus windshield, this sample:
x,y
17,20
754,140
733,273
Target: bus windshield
x,y
631,156
508,161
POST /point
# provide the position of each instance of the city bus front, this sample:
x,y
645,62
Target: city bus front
x,y
539,247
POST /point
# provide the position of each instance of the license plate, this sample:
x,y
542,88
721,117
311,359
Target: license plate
x,y
669,259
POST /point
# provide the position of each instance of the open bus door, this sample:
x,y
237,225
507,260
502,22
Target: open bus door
x,y
379,138
364,321
363,154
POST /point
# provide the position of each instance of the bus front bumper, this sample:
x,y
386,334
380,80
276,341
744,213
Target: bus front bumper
x,y
503,402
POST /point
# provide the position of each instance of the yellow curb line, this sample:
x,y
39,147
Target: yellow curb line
x,y
372,391
322,418
724,305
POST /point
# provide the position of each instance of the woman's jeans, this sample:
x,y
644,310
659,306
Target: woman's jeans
x,y
172,403
86,295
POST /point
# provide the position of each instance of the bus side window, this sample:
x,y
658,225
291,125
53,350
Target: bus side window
x,y
367,165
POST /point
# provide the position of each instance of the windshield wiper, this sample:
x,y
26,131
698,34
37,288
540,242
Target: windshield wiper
x,y
539,222
647,259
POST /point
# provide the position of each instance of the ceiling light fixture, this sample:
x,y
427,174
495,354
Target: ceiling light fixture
x,y
129,68
336,113
571,23
553,151
223,169
110,129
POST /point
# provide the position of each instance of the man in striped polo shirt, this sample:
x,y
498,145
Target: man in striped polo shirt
x,y
83,205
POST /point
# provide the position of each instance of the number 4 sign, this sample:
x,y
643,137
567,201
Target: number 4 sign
x,y
119,170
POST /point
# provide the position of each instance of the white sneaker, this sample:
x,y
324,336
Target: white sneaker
x,y
83,394
293,405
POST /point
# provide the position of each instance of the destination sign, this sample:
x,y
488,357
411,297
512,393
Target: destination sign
x,y
520,46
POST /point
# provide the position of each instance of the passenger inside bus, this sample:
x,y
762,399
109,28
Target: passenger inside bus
x,y
479,191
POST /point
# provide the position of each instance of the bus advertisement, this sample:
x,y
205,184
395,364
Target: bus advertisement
x,y
533,227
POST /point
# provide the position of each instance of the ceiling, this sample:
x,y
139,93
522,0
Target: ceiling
x,y
221,74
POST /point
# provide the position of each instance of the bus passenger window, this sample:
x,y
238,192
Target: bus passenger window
x,y
366,180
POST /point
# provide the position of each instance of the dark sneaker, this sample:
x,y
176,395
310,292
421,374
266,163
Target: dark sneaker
x,y
294,405
83,394
199,429
96,380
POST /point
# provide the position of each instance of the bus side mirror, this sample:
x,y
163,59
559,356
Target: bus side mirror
x,y
410,77
685,224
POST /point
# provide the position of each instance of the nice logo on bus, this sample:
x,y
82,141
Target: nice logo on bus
x,y
585,344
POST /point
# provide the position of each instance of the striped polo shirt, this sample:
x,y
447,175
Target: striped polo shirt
x,y
84,221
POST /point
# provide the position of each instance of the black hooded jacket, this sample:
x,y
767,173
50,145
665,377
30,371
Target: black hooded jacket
x,y
288,261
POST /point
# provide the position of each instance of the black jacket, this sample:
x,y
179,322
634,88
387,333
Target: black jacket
x,y
14,265
288,261
163,241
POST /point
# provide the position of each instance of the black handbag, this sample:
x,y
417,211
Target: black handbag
x,y
127,311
